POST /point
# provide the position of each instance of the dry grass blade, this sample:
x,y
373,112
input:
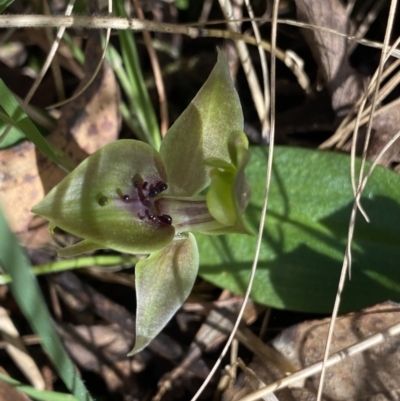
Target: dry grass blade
x,y
50,56
96,71
348,124
18,352
264,122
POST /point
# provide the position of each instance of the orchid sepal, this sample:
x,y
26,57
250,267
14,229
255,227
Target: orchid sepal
x,y
202,131
106,199
163,281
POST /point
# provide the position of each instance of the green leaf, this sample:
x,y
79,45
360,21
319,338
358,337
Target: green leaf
x,y
306,230
4,4
22,121
41,395
201,132
14,135
163,282
27,293
100,201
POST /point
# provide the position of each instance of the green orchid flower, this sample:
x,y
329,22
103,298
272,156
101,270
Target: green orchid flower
x,y
131,198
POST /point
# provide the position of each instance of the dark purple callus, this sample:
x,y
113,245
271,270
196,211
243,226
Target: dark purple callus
x,y
145,198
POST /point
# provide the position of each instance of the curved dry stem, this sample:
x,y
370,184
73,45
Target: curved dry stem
x,y
92,78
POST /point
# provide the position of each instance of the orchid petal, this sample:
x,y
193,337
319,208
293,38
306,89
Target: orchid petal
x,y
201,132
102,200
163,282
229,192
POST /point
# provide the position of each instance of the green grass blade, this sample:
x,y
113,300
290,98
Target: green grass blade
x,y
76,263
139,98
14,136
128,114
27,294
41,395
23,122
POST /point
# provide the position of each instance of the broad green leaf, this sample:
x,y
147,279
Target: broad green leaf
x,y
28,295
163,281
201,132
102,200
305,235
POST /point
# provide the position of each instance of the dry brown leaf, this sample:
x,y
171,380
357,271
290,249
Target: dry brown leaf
x,y
372,375
330,50
86,124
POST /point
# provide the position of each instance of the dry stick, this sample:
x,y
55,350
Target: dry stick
x,y
264,208
246,61
333,360
158,79
40,21
92,22
264,69
347,258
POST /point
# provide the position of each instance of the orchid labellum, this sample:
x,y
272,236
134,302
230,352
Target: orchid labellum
x,y
131,198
